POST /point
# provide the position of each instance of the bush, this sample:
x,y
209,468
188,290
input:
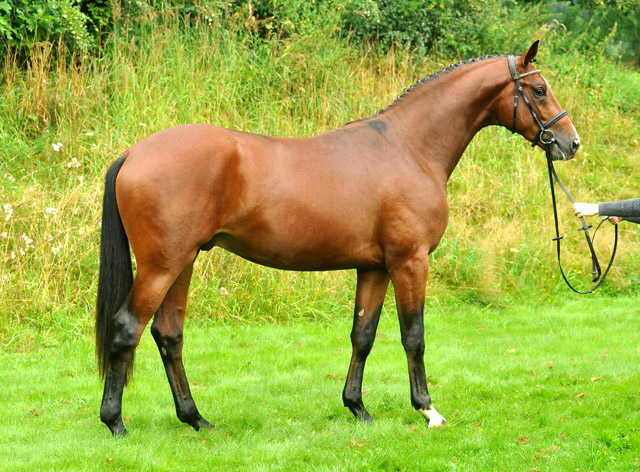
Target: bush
x,y
616,21
453,28
24,23
459,28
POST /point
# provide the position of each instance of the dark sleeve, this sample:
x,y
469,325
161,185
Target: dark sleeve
x,y
625,208
633,220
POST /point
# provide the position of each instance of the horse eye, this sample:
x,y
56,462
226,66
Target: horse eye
x,y
539,91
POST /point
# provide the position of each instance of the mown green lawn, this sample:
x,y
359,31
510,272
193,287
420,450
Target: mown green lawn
x,y
556,388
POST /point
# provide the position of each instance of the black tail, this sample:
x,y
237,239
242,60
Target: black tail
x,y
116,274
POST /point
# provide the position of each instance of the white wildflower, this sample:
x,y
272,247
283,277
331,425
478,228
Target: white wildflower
x,y
55,249
8,211
28,242
72,164
56,146
89,133
224,291
50,211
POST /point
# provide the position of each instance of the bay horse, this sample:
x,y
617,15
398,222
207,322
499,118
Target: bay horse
x,y
370,195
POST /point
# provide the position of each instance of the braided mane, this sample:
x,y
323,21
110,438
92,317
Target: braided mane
x,y
435,75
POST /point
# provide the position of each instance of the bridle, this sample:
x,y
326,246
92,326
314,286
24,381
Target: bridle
x,y
547,137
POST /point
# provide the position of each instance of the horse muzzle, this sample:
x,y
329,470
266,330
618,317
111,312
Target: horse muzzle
x,y
562,149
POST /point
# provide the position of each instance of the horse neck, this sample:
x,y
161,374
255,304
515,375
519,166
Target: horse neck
x,y
438,119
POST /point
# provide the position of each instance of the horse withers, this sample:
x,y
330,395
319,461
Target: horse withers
x,y
369,196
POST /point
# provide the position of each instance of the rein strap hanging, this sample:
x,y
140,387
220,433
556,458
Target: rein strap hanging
x,y
597,276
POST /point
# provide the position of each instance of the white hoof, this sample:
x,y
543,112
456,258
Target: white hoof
x,y
435,419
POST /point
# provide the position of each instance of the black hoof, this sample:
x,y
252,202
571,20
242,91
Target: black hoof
x,y
367,418
118,430
199,423
361,413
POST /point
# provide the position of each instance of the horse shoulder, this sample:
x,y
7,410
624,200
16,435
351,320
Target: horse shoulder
x,y
415,212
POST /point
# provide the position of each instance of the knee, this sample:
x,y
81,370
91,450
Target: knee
x,y
169,337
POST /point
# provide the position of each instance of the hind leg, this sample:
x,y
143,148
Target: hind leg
x,y
167,329
370,292
128,324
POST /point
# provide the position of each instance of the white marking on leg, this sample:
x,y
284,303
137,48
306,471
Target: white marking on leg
x,y
436,420
361,313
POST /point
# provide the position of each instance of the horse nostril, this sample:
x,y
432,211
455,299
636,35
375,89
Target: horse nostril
x,y
575,145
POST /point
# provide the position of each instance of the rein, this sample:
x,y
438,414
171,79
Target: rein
x,y
597,277
547,137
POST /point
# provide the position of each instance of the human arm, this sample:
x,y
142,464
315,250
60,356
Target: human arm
x,y
628,210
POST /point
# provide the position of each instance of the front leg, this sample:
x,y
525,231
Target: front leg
x,y
409,279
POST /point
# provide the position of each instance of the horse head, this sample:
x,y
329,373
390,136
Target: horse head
x,y
533,110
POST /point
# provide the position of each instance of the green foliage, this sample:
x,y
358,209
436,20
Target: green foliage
x,y
452,28
464,28
617,21
456,28
284,18
24,23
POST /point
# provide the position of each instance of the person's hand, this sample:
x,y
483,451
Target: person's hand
x,y
614,220
585,209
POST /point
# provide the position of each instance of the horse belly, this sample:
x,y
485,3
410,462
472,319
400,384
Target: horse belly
x,y
301,229
293,246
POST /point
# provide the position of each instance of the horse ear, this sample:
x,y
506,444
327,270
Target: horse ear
x,y
532,53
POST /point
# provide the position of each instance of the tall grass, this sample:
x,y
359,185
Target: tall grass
x,y
63,122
